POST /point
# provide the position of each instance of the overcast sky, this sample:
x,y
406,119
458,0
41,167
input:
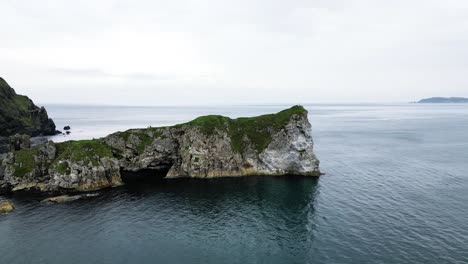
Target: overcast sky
x,y
234,52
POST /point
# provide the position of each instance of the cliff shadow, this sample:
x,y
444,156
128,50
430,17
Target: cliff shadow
x,y
145,175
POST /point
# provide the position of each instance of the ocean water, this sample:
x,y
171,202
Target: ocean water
x,y
395,191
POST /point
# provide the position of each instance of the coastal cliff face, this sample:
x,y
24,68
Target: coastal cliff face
x,y
19,115
207,147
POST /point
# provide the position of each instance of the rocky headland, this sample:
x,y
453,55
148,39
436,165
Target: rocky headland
x,y
19,115
207,147
20,118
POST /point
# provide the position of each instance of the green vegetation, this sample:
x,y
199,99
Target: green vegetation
x,y
62,168
253,131
209,124
248,130
83,150
86,151
24,162
145,137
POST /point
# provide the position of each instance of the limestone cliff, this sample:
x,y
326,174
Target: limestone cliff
x,y
18,114
207,147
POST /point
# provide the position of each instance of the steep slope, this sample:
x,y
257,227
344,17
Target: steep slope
x,y
18,114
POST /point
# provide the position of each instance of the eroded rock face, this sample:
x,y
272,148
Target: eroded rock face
x,y
216,146
75,166
207,147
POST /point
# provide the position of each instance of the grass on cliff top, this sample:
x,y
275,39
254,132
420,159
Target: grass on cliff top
x,y
256,131
144,137
83,150
24,162
245,131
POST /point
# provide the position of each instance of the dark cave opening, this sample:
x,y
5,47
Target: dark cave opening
x,y
145,175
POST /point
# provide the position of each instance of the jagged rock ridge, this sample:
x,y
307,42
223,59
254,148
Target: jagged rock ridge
x,y
207,147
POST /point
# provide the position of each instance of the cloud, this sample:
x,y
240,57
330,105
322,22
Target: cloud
x,y
135,76
254,51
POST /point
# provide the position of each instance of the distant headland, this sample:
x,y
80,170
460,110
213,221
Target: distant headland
x,y
443,100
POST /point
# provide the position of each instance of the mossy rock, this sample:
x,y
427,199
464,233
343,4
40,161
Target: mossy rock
x,y
254,131
141,137
25,162
84,151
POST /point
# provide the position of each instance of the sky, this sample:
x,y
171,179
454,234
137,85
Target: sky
x,y
202,52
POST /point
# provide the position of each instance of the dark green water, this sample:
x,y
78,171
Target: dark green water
x,y
396,191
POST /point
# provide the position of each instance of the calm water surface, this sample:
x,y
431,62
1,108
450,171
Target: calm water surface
x,y
396,191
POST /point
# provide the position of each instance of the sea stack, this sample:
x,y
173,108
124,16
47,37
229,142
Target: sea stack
x,y
207,147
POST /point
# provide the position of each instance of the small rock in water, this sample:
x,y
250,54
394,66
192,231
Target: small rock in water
x,y
66,128
68,132
6,206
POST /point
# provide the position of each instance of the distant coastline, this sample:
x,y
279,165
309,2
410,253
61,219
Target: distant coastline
x,y
443,100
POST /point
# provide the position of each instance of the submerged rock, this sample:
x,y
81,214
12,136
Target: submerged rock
x,y
207,147
68,198
66,128
6,206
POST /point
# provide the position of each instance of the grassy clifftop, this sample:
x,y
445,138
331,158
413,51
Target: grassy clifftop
x,y
83,151
256,131
18,114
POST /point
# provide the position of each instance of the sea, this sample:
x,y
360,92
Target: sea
x,y
395,190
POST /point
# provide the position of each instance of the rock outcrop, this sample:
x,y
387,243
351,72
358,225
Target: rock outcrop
x,y
19,115
207,147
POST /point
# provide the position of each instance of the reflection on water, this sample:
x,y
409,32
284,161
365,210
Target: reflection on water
x,y
269,218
